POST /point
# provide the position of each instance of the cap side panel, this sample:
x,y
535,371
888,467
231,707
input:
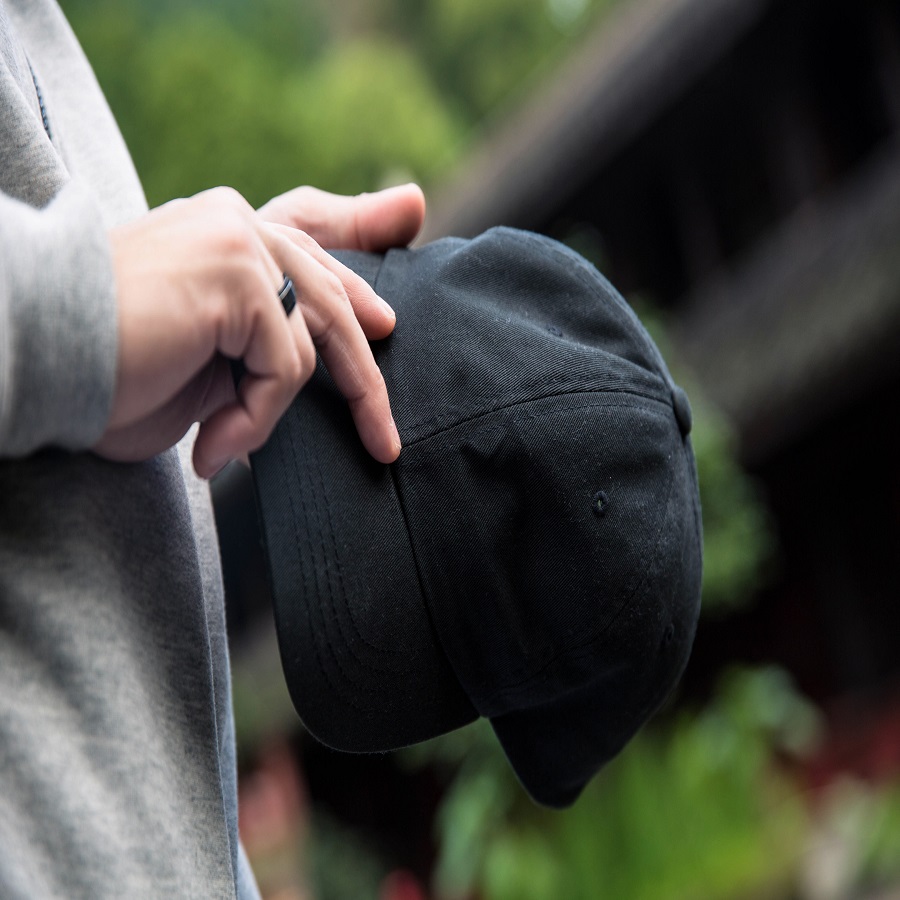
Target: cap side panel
x,y
593,281
556,747
521,573
358,650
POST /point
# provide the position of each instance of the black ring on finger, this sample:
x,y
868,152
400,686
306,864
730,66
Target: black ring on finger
x,y
287,295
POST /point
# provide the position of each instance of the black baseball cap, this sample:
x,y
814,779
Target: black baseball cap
x,y
533,556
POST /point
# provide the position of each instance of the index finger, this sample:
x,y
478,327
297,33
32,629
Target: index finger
x,y
327,314
375,316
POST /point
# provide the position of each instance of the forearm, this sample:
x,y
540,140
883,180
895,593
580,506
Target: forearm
x,y
58,331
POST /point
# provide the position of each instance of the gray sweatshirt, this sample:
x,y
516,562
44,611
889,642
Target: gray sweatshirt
x,y
117,760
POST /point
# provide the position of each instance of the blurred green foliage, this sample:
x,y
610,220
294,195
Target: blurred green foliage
x,y
347,95
704,806
738,536
329,847
697,809
854,851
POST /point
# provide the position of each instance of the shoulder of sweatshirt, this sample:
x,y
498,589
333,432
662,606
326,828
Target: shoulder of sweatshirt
x,y
83,134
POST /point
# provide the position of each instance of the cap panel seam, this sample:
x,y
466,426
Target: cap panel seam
x,y
425,594
605,402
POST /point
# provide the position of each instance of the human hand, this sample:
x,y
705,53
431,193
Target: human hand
x,y
197,284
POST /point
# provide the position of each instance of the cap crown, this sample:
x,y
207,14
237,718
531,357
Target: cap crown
x,y
535,550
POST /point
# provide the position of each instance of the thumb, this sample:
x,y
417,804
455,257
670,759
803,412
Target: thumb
x,y
374,222
389,218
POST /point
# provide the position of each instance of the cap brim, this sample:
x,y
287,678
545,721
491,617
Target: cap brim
x,y
555,749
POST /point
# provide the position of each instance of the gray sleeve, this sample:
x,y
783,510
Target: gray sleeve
x,y
58,330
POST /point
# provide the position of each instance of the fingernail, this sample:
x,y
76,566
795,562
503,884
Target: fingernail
x,y
388,309
398,445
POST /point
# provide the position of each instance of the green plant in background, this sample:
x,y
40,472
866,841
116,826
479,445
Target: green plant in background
x,y
328,849
361,132
879,838
264,132
855,851
738,540
487,54
200,104
695,809
347,96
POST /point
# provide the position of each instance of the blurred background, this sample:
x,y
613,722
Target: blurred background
x,y
734,167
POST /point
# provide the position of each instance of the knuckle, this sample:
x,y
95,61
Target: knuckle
x,y
296,371
307,356
233,219
332,313
238,242
264,419
371,387
322,331
305,193
334,290
299,365
304,239
229,197
238,247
